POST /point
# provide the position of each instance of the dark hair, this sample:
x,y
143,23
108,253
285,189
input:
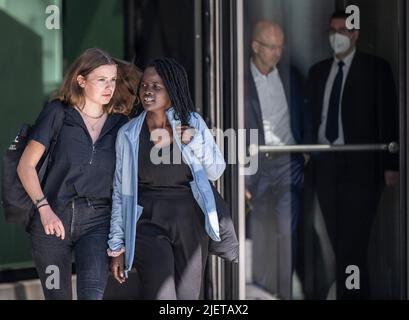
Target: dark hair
x,y
339,14
175,79
128,77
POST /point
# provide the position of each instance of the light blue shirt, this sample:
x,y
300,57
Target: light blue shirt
x,y
204,159
274,107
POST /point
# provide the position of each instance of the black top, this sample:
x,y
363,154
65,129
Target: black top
x,y
77,168
154,176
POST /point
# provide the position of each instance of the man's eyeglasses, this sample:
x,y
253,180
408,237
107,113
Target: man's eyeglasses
x,y
270,46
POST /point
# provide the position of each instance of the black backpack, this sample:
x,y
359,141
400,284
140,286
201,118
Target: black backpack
x,y
17,205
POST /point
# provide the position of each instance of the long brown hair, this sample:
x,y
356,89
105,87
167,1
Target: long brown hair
x,y
128,77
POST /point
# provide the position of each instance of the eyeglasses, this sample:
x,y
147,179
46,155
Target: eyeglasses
x,y
270,46
343,31
103,82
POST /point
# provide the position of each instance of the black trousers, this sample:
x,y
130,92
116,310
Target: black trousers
x,y
171,246
86,223
348,197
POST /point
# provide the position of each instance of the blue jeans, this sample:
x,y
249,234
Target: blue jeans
x,y
86,224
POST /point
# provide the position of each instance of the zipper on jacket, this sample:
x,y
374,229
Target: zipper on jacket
x,y
92,154
73,215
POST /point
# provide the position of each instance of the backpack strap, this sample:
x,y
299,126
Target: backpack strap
x,y
43,169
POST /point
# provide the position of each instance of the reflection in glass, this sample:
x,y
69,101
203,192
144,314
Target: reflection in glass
x,y
318,226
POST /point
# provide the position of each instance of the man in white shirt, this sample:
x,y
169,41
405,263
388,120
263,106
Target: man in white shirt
x,y
273,105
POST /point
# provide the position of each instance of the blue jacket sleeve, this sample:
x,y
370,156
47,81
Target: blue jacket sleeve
x,y
206,150
117,232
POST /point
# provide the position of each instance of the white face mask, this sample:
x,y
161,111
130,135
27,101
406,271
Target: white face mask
x,y
339,43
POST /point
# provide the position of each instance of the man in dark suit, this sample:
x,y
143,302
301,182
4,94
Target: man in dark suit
x,y
352,100
273,99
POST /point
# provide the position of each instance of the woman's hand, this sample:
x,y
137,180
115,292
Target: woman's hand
x,y
117,268
51,223
185,133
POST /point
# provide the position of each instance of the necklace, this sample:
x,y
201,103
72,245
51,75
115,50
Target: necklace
x,y
88,123
92,126
92,117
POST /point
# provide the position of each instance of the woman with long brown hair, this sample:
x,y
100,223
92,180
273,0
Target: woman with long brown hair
x,y
74,202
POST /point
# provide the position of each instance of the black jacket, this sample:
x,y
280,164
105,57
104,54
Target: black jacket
x,y
369,107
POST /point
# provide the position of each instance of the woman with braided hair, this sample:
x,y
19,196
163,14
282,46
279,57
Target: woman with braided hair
x,y
164,210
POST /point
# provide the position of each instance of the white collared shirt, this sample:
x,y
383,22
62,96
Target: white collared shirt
x,y
274,107
322,139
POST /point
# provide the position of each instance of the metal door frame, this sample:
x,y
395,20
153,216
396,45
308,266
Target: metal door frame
x,y
224,61
404,136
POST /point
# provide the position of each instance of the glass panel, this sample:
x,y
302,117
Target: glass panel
x,y
31,59
323,225
32,15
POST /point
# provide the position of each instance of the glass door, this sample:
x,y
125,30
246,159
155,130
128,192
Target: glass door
x,y
323,214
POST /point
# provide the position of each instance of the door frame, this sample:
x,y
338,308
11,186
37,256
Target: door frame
x,y
404,137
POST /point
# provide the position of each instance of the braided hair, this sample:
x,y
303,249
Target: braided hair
x,y
175,79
